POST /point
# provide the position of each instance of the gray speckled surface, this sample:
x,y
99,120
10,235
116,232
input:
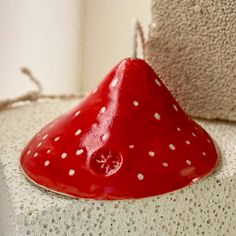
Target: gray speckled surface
x,y
205,208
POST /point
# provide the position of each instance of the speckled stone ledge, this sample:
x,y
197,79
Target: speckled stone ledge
x,y
205,208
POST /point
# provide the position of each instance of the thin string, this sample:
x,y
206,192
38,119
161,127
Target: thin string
x,y
138,31
33,96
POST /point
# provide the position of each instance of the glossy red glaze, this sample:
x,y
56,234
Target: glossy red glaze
x,y
128,139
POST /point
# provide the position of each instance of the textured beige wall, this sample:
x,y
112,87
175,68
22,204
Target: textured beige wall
x,y
192,44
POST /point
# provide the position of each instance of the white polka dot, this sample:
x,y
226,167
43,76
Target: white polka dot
x,y
194,135
158,83
140,176
131,146
46,163
36,154
78,132
203,153
45,136
114,83
188,162
104,137
79,152
175,107
157,116
195,180
71,172
77,113
172,146
56,139
63,155
135,103
208,140
178,129
48,151
165,164
39,144
151,154
187,142
28,152
103,109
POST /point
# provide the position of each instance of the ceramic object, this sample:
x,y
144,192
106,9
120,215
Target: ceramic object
x,y
128,139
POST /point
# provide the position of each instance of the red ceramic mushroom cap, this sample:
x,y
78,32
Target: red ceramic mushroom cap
x,y
128,139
